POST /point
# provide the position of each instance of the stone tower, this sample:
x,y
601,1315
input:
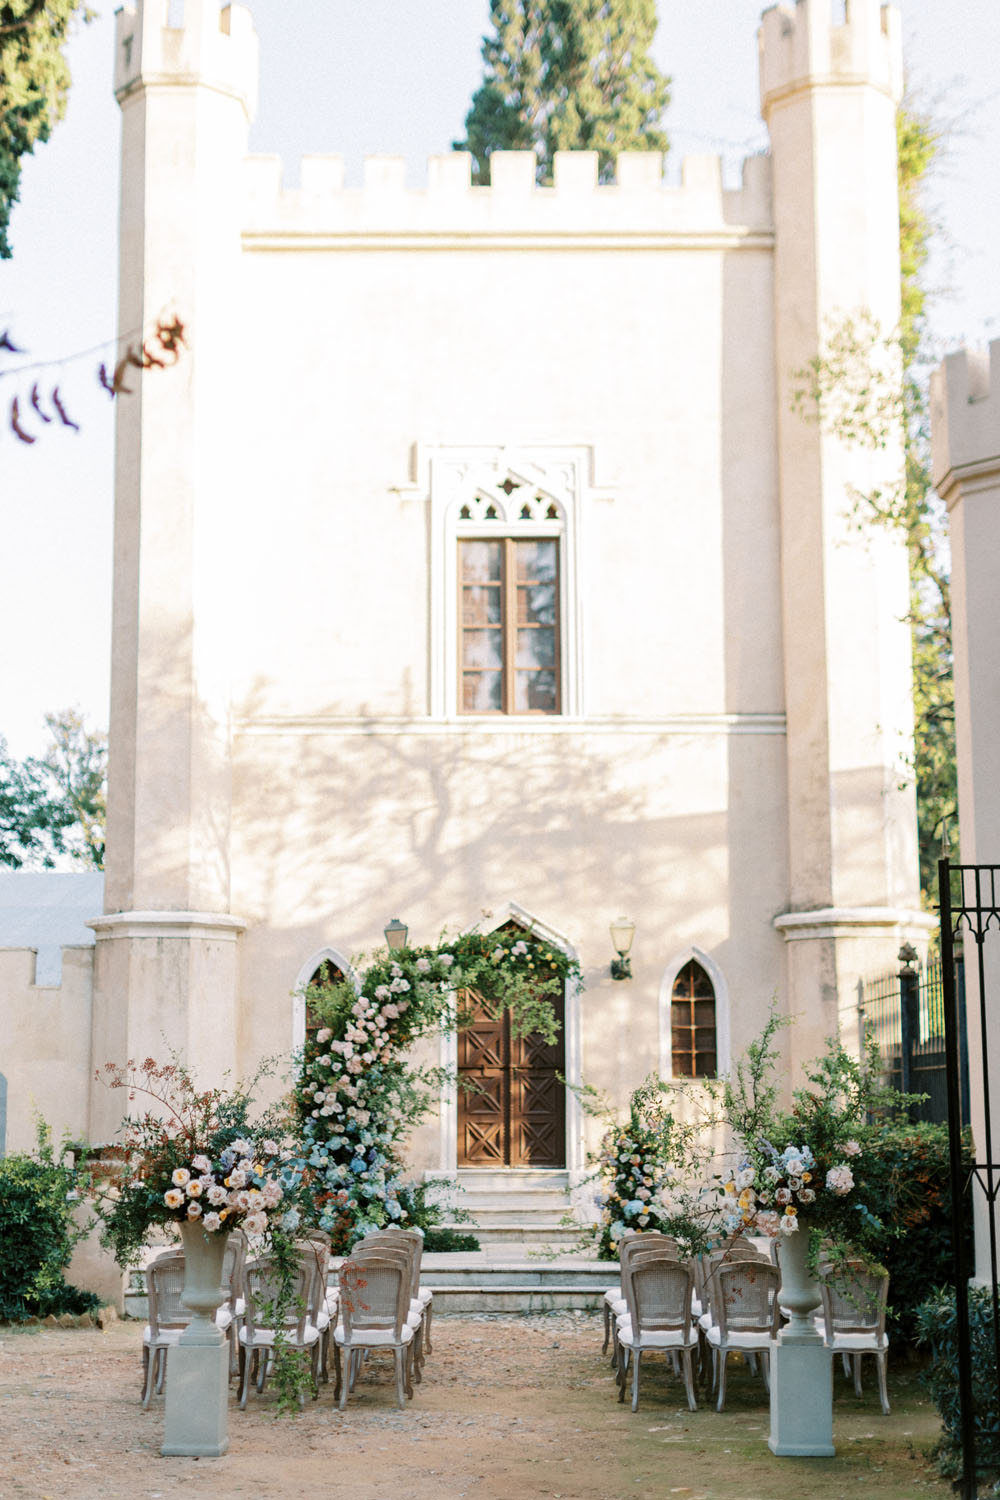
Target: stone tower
x,y
829,94
165,974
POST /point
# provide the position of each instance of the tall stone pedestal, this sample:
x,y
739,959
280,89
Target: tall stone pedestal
x,y
197,1400
801,1398
801,1364
198,1367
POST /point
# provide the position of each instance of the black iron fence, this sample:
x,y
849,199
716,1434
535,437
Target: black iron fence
x,y
904,1011
970,912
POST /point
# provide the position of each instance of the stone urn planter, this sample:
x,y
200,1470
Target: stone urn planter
x,y
203,1290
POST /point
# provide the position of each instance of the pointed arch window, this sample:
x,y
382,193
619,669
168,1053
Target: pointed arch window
x,y
324,977
694,1044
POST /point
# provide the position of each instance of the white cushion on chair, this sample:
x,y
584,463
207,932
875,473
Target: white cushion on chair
x,y
166,1335
858,1343
374,1336
658,1339
751,1339
265,1336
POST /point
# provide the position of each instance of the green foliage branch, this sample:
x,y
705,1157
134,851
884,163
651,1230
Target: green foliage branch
x,y
937,1330
38,1231
358,1094
909,1187
562,75
34,85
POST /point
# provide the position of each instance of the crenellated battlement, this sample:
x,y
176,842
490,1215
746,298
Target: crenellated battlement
x,y
965,414
801,46
185,42
638,203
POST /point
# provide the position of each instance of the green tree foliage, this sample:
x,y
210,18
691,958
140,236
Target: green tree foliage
x,y
55,805
865,385
77,764
32,819
565,75
34,84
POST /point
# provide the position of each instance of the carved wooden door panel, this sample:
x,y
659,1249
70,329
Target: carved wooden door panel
x,y
511,1107
537,1099
482,1111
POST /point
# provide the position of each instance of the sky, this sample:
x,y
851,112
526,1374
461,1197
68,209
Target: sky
x,y
359,77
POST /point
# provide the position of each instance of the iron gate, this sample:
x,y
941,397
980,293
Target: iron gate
x,y
969,898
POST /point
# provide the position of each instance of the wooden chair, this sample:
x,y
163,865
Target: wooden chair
x,y
744,1314
374,1314
614,1298
854,1303
168,1318
256,1339
658,1292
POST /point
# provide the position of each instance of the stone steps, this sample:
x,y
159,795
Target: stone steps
x,y
516,1206
483,1281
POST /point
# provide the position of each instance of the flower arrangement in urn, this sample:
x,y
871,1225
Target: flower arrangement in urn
x,y
804,1169
190,1157
769,1191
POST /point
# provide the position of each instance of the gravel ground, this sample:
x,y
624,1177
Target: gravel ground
x,y
509,1407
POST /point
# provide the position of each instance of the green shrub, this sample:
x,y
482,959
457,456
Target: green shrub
x,y
424,1211
38,1233
910,1190
937,1328
440,1241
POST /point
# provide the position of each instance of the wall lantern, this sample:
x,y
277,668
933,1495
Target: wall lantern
x,y
395,934
622,933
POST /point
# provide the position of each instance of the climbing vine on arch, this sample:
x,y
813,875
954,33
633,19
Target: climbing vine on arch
x,y
358,1093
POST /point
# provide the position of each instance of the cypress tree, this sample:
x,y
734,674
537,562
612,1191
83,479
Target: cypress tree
x,y
564,75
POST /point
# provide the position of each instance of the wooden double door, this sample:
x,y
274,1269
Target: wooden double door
x,y
511,1104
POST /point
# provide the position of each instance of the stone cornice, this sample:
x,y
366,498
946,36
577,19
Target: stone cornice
x,y
533,240
853,921
512,724
169,924
963,480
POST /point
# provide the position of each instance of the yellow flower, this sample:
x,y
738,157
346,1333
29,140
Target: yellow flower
x,y
807,1177
790,1212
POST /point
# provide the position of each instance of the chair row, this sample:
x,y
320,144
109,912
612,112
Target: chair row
x,y
730,1301
315,1317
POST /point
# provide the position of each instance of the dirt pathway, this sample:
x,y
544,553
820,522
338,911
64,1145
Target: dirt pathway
x,y
508,1408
